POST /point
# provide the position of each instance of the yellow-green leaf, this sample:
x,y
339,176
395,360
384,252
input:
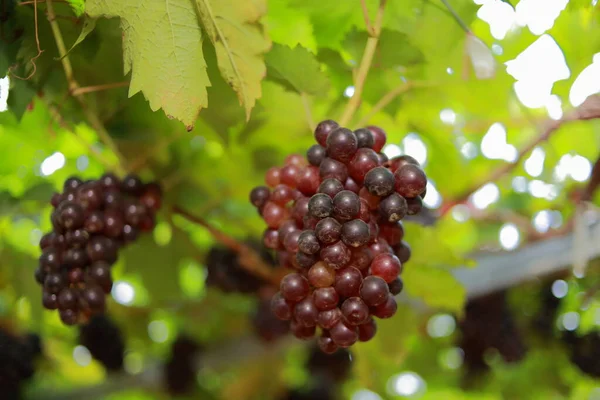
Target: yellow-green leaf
x,y
297,69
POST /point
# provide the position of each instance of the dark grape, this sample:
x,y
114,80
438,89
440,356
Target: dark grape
x,y
410,180
414,204
77,238
321,275
323,130
99,273
363,161
47,240
67,299
365,138
393,208
71,216
89,196
379,181
328,319
379,137
50,259
381,246
355,233
367,330
306,312
302,332
383,159
331,187
271,239
320,206
76,258
110,181
132,184
355,311
315,154
280,307
94,297
361,258
326,344
101,248
396,286
300,210
54,283
49,300
294,287
336,255
400,161
346,205
75,276
259,196
40,275
56,199
374,291
351,185
306,261
71,184
113,223
308,242
341,144
310,222
348,281
403,252
325,298
393,233
386,309
386,266
151,198
68,316
129,233
274,214
134,213
112,199
290,242
344,335
328,230
287,226
334,169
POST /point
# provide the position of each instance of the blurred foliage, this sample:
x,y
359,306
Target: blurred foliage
x,y
243,76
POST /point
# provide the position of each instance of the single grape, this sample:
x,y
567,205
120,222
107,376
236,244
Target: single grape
x,y
379,181
346,205
75,276
49,300
308,180
271,239
331,168
396,286
306,312
393,208
326,298
326,344
287,226
330,187
363,161
89,196
112,199
328,319
323,130
259,196
69,316
414,204
400,161
367,330
151,198
371,200
113,223
379,247
56,199
40,275
410,180
71,184
365,138
132,184
294,287
310,222
302,332
383,159
99,273
386,266
289,175
280,307
295,159
147,222
315,154
374,291
50,259
110,181
273,177
305,261
129,234
328,230
274,214
71,216
348,281
47,240
94,297
361,258
308,242
351,185
77,238
134,213
355,233
379,137
392,233
320,205
336,255
67,299
76,258
403,252
300,210
54,283
344,335
341,144
101,248
386,309
321,275
355,311
291,241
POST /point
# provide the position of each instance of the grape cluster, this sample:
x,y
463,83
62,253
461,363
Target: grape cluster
x,y
104,340
91,220
17,356
335,218
266,325
180,369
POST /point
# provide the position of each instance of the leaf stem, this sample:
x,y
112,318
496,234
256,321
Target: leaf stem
x,y
97,88
457,17
363,69
309,118
73,86
249,259
368,23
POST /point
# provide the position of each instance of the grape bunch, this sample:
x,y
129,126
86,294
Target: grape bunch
x,y
91,220
335,218
104,340
17,356
180,369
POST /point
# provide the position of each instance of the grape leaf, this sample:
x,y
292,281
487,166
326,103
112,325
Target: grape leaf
x,y
239,42
435,286
162,47
88,26
296,69
78,6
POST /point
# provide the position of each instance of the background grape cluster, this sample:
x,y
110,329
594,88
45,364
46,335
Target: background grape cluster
x,y
335,218
91,220
17,357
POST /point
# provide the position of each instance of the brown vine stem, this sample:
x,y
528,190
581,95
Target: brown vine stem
x,y
37,43
309,118
73,86
98,88
249,259
385,100
590,109
365,65
368,23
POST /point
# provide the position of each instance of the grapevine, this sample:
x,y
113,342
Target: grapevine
x,y
334,217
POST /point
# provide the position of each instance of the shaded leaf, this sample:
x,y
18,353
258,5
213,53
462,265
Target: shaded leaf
x,y
88,26
296,69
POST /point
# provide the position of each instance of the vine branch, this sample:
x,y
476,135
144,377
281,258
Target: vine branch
x,y
89,89
249,259
73,86
365,65
368,23
590,109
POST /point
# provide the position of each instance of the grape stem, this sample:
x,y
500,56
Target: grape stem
x,y
74,86
249,259
365,65
589,109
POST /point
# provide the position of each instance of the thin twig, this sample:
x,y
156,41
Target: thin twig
x,y
309,118
365,65
37,43
590,109
384,101
368,23
73,86
457,17
98,88
249,259
24,3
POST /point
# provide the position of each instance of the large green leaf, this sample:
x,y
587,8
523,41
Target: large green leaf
x,y
162,47
240,43
297,69
435,286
